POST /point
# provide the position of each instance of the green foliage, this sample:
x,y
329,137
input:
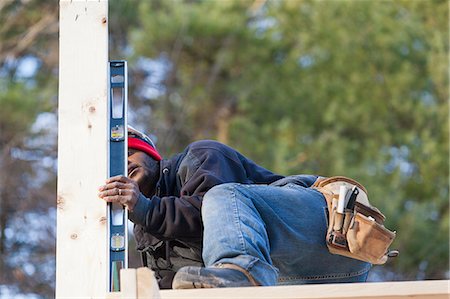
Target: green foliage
x,y
355,88
18,108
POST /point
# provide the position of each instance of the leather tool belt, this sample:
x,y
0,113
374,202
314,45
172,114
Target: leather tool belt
x,y
356,231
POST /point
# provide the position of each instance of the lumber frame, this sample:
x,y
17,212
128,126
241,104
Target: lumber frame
x,y
81,256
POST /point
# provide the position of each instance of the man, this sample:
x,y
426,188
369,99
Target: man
x,y
211,206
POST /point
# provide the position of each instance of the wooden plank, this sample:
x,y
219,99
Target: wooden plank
x,y
136,283
128,283
147,287
113,295
438,289
81,257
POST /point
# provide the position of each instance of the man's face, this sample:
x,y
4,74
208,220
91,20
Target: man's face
x,y
142,169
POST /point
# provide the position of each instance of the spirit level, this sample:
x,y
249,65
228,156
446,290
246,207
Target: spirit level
x,y
118,151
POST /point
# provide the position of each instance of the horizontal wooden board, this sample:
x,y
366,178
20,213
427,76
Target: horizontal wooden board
x,y
431,289
438,289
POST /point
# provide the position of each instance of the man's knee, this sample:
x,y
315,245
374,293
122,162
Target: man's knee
x,y
221,191
219,198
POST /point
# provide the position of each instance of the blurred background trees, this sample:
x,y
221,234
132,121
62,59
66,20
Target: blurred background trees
x,y
28,90
355,88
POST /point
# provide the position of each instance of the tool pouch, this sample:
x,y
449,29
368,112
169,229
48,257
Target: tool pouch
x,y
362,235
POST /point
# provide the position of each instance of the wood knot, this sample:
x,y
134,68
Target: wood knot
x,y
60,202
91,109
102,220
104,20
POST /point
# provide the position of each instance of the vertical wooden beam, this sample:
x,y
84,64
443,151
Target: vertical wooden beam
x,y
81,257
147,286
128,283
136,284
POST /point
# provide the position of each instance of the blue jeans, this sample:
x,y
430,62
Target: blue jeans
x,y
275,233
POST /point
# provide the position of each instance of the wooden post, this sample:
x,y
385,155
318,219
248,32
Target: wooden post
x,y
81,258
147,286
136,284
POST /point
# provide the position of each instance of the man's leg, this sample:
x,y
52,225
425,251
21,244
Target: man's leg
x,y
234,237
263,229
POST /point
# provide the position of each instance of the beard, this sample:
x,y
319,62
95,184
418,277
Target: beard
x,y
144,178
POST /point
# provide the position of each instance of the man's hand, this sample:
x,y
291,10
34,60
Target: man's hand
x,y
120,189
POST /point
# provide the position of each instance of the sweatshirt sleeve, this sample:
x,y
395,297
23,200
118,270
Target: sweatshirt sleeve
x,y
169,217
304,180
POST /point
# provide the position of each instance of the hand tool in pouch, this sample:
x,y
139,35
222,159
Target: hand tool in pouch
x,y
349,208
340,208
337,237
117,165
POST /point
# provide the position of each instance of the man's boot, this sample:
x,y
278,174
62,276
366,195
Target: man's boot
x,y
219,276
